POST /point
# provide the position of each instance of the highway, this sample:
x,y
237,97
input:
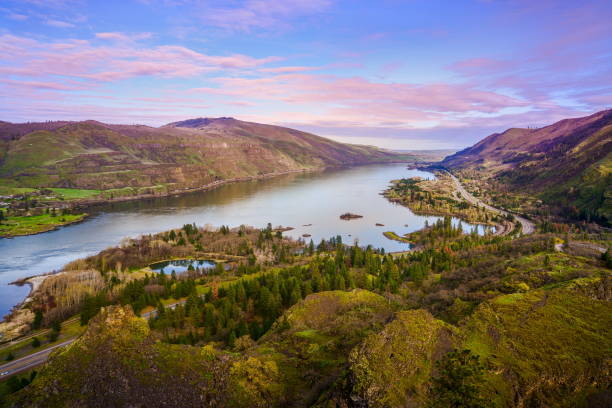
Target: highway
x,y
527,226
29,361
25,363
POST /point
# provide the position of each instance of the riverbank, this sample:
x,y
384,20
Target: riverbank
x,y
36,224
438,197
18,321
290,200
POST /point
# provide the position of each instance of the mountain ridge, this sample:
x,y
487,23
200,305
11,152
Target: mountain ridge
x,y
179,155
567,164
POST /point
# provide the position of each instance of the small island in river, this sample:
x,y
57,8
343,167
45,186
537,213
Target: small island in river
x,y
350,216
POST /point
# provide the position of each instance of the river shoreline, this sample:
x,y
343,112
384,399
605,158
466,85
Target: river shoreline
x,y
288,201
83,204
49,228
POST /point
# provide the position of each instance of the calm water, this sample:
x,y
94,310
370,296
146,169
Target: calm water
x,y
181,265
292,200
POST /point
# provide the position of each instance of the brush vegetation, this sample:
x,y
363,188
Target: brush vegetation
x,y
332,325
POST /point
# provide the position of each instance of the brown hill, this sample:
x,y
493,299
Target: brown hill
x,y
187,154
568,164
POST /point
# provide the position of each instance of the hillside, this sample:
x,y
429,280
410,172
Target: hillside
x,y
189,154
330,326
567,164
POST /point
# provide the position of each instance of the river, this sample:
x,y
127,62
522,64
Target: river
x,y
294,200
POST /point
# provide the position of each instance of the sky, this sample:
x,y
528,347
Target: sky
x,y
401,74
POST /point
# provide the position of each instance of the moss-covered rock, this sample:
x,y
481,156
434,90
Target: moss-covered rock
x,y
392,368
310,344
548,347
117,363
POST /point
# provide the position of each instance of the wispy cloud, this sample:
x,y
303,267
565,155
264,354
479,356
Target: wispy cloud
x,y
256,14
17,16
81,59
124,37
59,23
358,100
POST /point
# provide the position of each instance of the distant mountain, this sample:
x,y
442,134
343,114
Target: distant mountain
x,y
428,155
568,164
186,154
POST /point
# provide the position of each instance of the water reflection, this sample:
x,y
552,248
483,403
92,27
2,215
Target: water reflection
x,y
182,265
309,202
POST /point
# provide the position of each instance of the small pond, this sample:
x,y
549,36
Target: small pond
x,y
182,265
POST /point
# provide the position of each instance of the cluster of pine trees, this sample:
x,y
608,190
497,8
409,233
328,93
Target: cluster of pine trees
x,y
244,302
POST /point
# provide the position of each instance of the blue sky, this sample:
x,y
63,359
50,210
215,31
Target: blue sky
x,y
395,73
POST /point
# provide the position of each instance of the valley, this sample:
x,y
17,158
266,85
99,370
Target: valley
x,y
66,167
563,169
332,310
288,200
366,298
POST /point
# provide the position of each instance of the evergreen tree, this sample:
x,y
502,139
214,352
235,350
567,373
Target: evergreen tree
x,y
35,342
38,317
231,339
457,384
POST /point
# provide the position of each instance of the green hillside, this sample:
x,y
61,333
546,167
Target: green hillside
x,y
513,321
568,165
95,156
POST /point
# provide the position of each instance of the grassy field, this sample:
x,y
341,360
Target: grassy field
x,y
34,224
6,190
62,193
74,193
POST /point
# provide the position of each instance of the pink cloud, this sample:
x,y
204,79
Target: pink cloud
x,y
252,14
576,57
17,16
117,36
41,85
302,88
376,36
357,100
81,59
287,70
51,3
241,103
59,23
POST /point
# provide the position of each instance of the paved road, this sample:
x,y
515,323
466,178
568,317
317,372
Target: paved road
x,y
589,245
27,362
35,334
38,358
527,226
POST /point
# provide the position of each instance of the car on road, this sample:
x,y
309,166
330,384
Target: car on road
x,y
4,373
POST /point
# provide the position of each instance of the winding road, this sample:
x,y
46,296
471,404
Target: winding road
x,y
527,226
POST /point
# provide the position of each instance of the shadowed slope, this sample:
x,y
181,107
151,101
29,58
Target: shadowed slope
x,y
189,154
568,164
